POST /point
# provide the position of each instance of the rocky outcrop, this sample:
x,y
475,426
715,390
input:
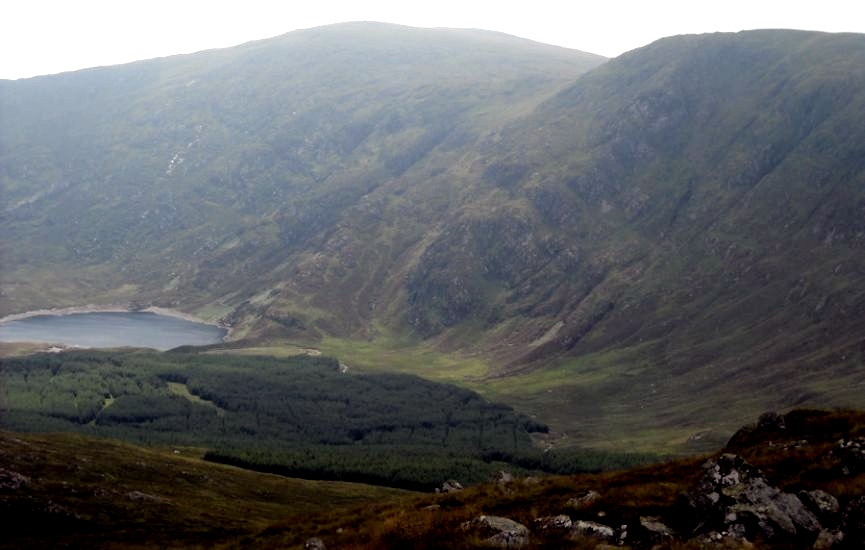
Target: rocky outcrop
x,y
498,532
733,497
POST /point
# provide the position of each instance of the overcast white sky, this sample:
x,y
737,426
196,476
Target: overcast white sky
x,y
49,36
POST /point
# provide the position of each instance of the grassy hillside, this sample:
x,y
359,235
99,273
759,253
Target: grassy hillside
x,y
85,491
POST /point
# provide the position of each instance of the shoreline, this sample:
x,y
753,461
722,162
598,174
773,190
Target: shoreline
x,y
114,308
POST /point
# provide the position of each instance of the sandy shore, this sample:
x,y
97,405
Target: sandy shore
x,y
92,308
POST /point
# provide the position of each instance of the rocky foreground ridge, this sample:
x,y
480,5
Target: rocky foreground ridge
x,y
788,481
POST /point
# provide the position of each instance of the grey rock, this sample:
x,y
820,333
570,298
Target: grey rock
x,y
582,528
654,529
499,532
551,523
821,504
314,543
583,501
450,486
732,496
12,481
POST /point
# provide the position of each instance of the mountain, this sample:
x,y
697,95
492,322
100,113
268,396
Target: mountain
x,y
210,178
617,247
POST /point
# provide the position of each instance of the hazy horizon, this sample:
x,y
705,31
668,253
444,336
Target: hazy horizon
x,y
51,36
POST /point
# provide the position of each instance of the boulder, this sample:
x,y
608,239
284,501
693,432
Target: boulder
x,y
733,496
499,532
553,523
450,486
581,529
652,531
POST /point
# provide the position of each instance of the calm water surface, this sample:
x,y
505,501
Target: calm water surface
x,y
103,330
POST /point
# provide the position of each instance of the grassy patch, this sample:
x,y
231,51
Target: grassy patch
x,y
399,354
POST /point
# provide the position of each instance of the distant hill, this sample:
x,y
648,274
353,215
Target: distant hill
x,y
624,245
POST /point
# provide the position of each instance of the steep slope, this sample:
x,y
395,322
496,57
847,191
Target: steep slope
x,y
221,174
711,189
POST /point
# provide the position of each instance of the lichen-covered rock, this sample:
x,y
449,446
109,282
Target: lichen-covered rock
x,y
732,496
450,486
653,531
591,529
821,504
553,523
499,532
